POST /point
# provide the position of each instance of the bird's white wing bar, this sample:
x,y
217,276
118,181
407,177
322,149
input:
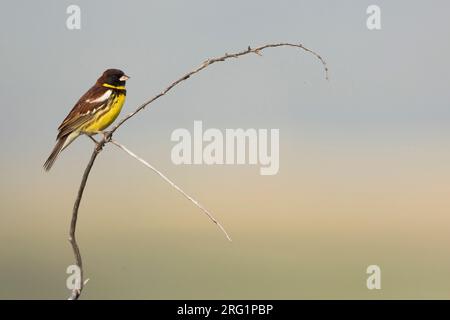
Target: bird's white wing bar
x,y
102,98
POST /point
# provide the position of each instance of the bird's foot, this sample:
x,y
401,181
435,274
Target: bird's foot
x,y
107,135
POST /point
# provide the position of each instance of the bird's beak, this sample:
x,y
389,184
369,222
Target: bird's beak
x,y
124,78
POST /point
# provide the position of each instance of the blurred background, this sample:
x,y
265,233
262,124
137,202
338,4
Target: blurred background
x,y
363,179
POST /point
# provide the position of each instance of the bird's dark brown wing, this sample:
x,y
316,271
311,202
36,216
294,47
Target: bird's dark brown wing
x,y
85,109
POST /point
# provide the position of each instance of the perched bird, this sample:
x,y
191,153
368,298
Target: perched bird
x,y
95,111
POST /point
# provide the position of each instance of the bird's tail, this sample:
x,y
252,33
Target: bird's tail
x,y
61,144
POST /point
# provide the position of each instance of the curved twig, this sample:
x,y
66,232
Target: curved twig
x,y
211,61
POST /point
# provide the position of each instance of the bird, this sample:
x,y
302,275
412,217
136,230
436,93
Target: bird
x,y
93,112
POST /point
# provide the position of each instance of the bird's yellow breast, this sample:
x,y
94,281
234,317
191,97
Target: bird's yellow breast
x,y
107,116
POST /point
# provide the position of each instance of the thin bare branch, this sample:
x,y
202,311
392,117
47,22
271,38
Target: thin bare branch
x,y
211,61
108,135
73,224
148,165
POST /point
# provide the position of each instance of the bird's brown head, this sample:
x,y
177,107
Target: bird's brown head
x,y
113,77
